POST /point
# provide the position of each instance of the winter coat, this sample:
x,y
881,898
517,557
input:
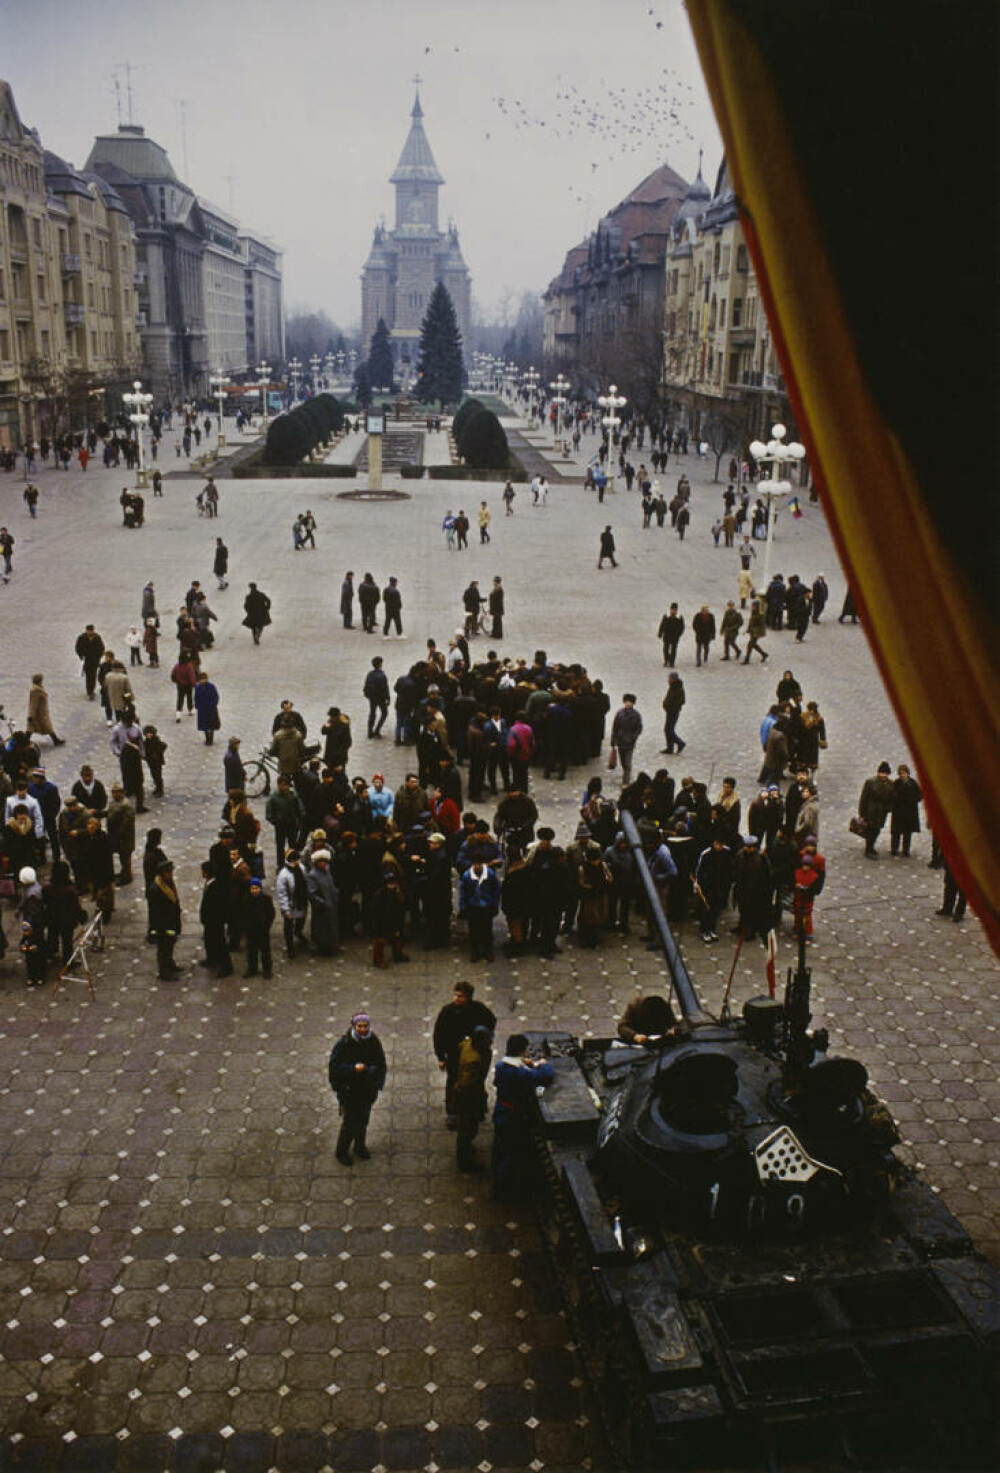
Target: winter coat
x,y
164,910
351,1085
288,745
206,703
323,902
121,827
39,721
284,892
479,893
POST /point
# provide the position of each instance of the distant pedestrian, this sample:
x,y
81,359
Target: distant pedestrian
x,y
673,704
151,644
496,603
484,523
508,499
39,722
625,732
392,605
347,600
206,703
220,564
6,550
607,548
257,611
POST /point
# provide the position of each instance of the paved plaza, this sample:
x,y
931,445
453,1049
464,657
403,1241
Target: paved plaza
x,y
188,1279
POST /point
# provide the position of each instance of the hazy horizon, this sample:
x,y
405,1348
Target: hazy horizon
x,y
293,119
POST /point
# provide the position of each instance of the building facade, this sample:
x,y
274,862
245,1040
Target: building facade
x,y
406,262
197,273
722,377
262,298
604,311
224,294
68,338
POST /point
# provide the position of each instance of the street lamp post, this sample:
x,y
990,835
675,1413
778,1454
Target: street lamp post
x,y
218,382
611,401
776,454
531,378
139,403
559,399
264,383
295,368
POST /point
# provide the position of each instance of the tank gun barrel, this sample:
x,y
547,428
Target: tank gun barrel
x,y
687,999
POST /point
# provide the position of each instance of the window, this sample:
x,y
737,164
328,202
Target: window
x,y
722,313
88,247
17,276
742,259
40,287
46,344
36,230
93,343
4,345
737,311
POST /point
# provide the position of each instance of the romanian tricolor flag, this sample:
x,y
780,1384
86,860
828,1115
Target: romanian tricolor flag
x,y
842,123
795,507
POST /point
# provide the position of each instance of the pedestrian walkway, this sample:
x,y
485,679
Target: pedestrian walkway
x,y
190,1280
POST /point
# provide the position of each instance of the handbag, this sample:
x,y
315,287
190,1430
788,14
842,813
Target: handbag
x,y
858,826
613,759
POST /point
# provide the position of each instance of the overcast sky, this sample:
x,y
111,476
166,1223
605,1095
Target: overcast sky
x,y
541,114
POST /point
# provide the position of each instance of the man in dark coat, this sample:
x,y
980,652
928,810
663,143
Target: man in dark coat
x,y
89,649
164,920
607,549
712,880
376,691
356,1072
455,1021
369,599
324,904
347,600
497,609
673,704
703,625
753,890
392,606
257,611
874,806
670,630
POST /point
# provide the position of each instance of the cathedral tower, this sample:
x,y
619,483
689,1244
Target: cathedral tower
x,y
406,262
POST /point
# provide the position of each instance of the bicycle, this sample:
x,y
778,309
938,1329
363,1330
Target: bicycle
x,y
257,783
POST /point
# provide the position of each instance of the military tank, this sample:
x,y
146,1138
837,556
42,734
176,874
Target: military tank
x,y
754,1278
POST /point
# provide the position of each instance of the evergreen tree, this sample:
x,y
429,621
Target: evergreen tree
x,y
362,384
380,358
441,372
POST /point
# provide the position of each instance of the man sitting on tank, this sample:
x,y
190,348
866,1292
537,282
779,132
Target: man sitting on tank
x,y
646,1020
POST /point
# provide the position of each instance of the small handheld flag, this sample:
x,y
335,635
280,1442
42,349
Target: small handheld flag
x,y
795,507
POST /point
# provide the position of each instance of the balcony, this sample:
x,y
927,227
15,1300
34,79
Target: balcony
x,y
75,314
772,383
71,264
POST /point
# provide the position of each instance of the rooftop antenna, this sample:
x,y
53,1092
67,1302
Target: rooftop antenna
x,y
118,94
128,91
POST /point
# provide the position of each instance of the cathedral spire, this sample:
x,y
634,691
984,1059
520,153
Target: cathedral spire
x,y
416,162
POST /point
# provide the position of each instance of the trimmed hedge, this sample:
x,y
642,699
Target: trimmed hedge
x,y
411,472
255,468
291,437
514,472
483,444
462,417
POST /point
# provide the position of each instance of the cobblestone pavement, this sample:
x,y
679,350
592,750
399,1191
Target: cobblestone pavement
x,y
187,1277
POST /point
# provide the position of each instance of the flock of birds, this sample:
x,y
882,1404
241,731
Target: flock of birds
x,y
618,120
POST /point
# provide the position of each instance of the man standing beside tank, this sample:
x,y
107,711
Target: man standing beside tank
x,y
454,1022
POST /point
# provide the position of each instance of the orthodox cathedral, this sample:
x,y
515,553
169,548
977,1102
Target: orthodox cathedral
x,y
406,262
